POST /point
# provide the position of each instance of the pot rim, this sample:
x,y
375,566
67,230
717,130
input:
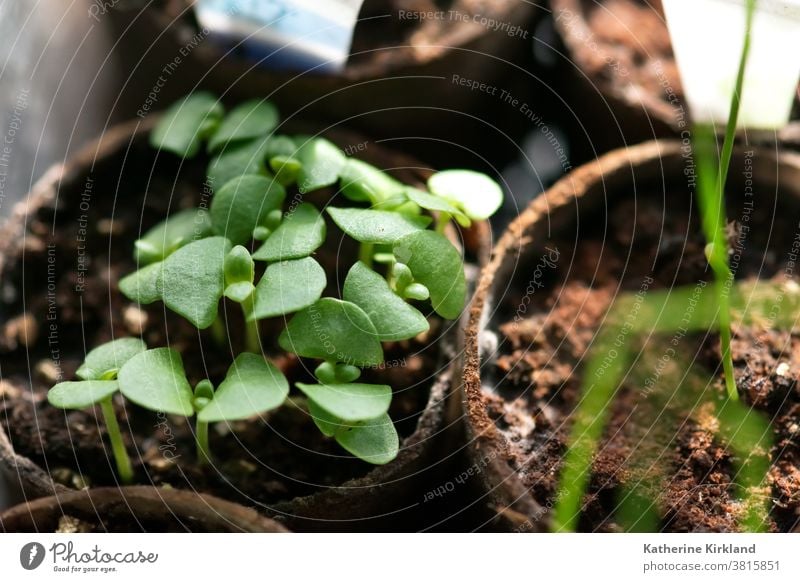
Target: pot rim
x,y
181,504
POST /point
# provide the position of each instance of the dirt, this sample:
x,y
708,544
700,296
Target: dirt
x,y
67,286
630,48
663,439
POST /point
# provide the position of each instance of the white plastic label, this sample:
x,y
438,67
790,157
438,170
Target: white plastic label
x,y
286,34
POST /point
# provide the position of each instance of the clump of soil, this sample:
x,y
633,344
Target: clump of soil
x,y
665,439
60,298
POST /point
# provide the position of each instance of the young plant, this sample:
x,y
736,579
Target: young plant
x,y
192,267
98,384
155,379
711,178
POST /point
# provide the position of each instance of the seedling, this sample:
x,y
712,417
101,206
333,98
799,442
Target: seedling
x,y
98,384
156,380
195,259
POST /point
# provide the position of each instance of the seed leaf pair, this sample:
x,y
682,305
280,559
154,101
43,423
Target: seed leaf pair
x,y
356,416
156,380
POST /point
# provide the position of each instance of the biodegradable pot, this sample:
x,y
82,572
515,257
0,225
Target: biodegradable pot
x,y
623,70
32,355
390,88
588,237
134,509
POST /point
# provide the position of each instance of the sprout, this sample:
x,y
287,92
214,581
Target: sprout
x,y
98,385
155,379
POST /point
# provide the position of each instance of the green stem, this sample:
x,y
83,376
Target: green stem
x,y
365,253
442,221
712,204
218,331
121,457
252,337
203,450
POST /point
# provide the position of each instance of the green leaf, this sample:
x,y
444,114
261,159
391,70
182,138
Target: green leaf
x,y
435,263
300,233
252,386
288,287
244,203
251,119
393,318
376,226
171,234
363,182
156,380
103,362
438,204
326,422
191,282
374,441
186,124
476,194
77,395
333,330
322,162
349,402
237,160
141,286
280,145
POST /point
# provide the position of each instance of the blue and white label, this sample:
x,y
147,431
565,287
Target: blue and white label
x,y
285,34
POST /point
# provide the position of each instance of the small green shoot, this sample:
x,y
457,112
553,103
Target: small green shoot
x,y
156,380
98,385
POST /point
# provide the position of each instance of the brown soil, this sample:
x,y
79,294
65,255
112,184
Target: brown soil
x,y
668,444
630,47
44,337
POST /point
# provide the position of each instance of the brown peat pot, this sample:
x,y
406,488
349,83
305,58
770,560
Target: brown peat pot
x,y
134,509
625,223
61,255
397,83
623,70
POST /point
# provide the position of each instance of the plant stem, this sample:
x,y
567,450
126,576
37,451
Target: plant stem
x,y
365,252
121,457
252,338
441,221
203,450
218,331
712,204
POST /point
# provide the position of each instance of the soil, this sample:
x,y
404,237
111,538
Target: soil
x,y
47,324
664,439
632,50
